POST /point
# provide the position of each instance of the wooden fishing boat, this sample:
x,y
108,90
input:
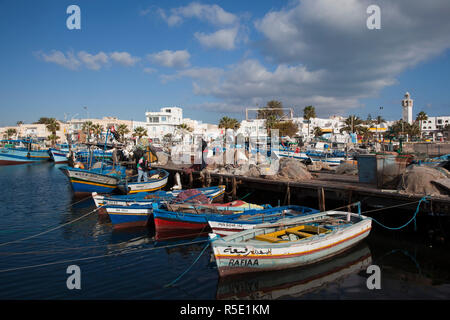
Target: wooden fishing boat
x,y
145,198
14,153
289,243
157,180
130,216
225,225
166,220
137,214
102,180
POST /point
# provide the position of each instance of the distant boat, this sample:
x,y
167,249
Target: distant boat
x,y
289,243
166,220
157,180
225,225
60,153
100,180
21,152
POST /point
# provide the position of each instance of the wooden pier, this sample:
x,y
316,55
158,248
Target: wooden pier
x,y
324,187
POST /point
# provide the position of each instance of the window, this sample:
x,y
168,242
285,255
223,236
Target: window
x,y
439,121
163,119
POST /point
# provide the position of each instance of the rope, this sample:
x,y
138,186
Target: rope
x,y
413,217
97,257
189,268
195,261
52,229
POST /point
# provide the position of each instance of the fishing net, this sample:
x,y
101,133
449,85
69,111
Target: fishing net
x,y
191,196
420,180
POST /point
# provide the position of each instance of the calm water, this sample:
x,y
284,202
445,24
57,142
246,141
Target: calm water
x,y
37,197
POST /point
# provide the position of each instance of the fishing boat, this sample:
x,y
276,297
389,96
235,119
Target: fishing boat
x,y
166,220
225,225
104,179
143,198
60,154
157,180
21,152
138,214
289,243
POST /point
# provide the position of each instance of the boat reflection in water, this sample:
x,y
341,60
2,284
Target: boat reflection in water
x,y
293,283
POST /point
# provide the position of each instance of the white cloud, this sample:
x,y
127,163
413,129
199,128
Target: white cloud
x,y
124,58
171,59
149,70
207,75
221,39
58,57
93,62
332,36
213,14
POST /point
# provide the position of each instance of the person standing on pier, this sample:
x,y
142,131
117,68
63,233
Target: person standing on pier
x,y
141,172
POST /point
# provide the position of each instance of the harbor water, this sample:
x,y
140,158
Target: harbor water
x,y
137,264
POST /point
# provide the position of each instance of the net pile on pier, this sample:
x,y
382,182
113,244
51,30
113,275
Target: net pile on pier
x,y
420,180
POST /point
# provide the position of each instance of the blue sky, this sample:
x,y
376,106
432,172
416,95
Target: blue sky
x,y
215,58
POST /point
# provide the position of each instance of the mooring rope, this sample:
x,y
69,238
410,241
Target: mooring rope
x,y
52,229
424,199
98,257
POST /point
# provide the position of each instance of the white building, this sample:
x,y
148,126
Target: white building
x,y
163,122
434,124
407,105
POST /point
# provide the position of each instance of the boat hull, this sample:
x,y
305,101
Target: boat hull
x,y
228,225
241,257
17,156
215,193
148,186
128,217
86,182
59,156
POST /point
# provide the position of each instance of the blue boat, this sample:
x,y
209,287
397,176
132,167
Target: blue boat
x,y
225,225
101,180
124,213
147,198
20,152
197,221
60,153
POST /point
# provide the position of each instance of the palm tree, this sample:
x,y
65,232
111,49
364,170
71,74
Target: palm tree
x,y
272,108
19,123
309,113
421,116
122,130
97,130
139,132
317,131
52,125
10,132
53,138
229,123
87,128
352,124
185,127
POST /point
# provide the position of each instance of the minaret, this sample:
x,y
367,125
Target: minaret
x,y
407,105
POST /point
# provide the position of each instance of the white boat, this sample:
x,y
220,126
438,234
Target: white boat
x,y
156,181
289,243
